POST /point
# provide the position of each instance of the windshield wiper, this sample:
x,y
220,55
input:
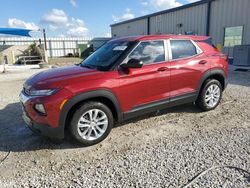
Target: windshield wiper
x,y
87,66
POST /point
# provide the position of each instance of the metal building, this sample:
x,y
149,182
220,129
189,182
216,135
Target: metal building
x,y
226,21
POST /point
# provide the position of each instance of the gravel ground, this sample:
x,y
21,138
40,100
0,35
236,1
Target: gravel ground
x,y
168,149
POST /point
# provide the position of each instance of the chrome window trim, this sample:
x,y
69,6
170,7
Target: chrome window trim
x,y
166,47
169,50
199,50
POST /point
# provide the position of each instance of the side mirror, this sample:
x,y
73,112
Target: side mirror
x,y
132,63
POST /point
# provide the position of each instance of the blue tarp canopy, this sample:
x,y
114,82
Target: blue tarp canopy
x,y
15,31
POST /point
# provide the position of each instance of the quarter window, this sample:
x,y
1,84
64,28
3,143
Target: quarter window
x,y
233,36
182,49
149,52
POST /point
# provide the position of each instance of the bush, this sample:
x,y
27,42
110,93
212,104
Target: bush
x,y
34,50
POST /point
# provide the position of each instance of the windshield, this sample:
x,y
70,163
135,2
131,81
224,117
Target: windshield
x,y
106,56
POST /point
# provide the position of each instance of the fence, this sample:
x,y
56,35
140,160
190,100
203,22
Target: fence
x,y
56,47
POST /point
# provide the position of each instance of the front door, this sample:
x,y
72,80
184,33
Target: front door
x,y
142,86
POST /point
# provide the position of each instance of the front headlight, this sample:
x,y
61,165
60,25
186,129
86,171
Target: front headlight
x,y
44,92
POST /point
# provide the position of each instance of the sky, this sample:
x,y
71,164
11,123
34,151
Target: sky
x,y
77,18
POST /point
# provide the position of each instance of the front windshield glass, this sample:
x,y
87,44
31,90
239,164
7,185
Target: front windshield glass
x,y
106,55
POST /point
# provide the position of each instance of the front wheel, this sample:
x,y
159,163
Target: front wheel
x,y
91,123
210,95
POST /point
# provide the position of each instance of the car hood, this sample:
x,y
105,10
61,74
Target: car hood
x,y
60,77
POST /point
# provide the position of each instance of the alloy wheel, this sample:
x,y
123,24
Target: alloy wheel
x,y
92,124
212,95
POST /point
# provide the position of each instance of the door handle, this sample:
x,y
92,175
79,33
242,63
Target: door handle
x,y
203,62
162,69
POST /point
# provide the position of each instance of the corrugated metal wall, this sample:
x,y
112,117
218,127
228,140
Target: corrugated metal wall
x,y
57,47
138,27
229,13
224,13
191,19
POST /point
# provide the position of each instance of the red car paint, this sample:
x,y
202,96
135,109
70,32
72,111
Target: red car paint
x,y
136,87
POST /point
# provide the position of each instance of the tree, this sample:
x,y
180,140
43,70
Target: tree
x,y
34,50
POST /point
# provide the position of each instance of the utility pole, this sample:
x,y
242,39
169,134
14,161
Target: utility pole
x,y
45,46
5,60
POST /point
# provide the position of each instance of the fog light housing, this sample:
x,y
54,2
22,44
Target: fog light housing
x,y
40,109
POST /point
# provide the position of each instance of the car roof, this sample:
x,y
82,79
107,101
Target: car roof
x,y
159,37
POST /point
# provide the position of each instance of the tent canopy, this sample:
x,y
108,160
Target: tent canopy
x,y
15,31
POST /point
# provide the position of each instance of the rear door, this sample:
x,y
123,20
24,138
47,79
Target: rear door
x,y
142,86
188,64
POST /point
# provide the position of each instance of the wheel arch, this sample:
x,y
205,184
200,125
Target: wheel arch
x,y
218,74
104,96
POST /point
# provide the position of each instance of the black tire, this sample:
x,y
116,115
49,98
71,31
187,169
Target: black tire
x,y
201,103
80,112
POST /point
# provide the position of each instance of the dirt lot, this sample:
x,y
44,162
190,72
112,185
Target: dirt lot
x,y
161,150
64,61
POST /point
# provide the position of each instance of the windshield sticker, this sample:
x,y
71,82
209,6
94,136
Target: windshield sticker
x,y
120,48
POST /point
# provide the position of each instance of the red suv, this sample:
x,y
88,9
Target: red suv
x,y
125,78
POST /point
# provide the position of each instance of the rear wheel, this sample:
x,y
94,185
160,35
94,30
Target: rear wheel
x,y
91,123
210,95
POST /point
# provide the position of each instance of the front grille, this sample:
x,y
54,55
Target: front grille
x,y
26,91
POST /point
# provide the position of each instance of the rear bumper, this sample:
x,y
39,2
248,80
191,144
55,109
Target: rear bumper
x,y
44,130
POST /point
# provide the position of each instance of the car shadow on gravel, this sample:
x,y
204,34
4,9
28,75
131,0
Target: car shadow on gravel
x,y
186,108
16,137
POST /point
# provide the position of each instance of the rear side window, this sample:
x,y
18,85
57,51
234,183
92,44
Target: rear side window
x,y
149,52
207,41
182,49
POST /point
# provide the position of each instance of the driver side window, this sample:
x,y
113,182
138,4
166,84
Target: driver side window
x,y
149,52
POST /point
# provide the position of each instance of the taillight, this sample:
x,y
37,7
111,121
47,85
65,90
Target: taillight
x,y
226,58
222,56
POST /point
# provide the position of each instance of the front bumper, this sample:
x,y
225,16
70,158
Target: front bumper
x,y
38,128
46,131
